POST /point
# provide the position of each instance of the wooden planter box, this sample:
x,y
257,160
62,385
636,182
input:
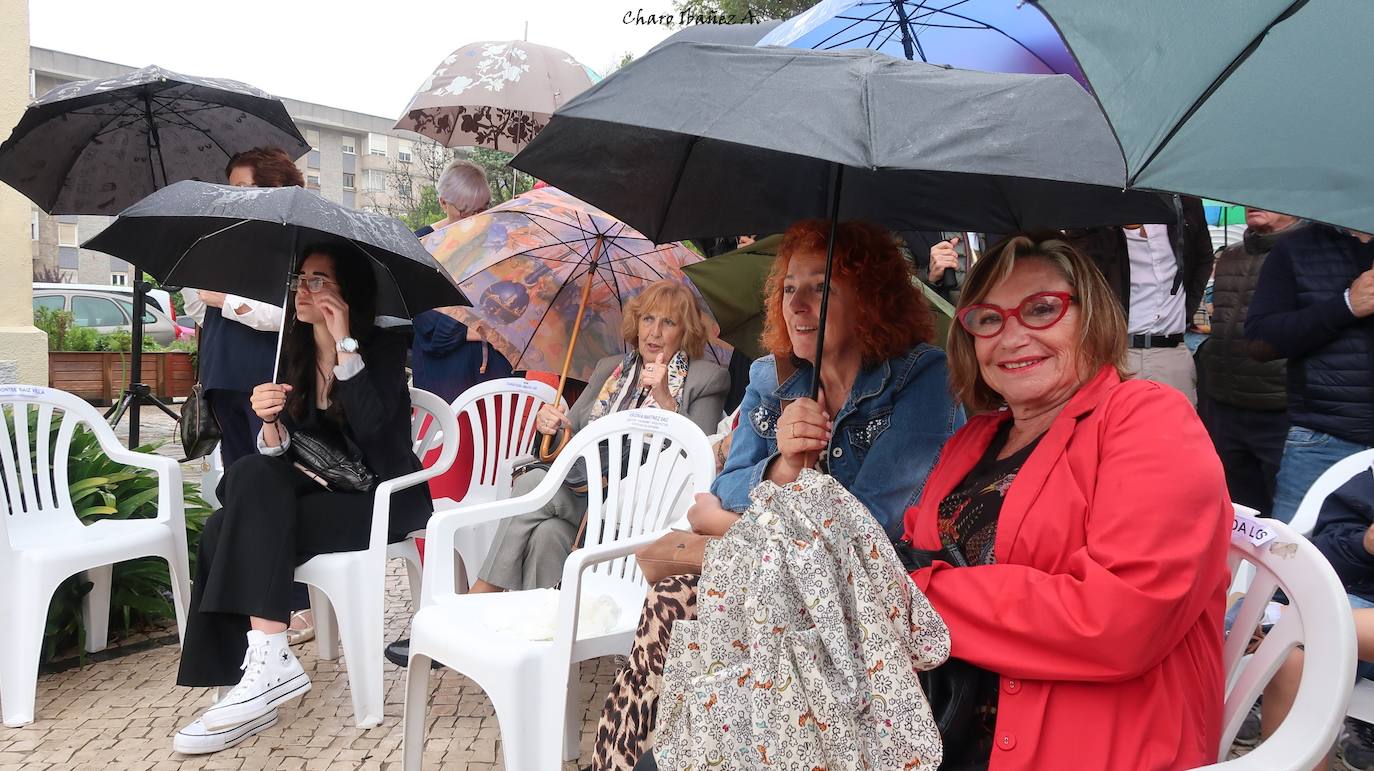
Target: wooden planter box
x,y
101,376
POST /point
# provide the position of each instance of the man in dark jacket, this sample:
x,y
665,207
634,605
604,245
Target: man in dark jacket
x,y
1314,305
1244,402
1159,272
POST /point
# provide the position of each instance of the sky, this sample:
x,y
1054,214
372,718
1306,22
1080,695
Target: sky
x,y
364,56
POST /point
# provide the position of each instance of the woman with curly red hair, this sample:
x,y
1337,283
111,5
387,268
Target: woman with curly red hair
x,y
883,412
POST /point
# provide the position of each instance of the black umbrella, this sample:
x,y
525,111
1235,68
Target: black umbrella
x,y
97,146
243,240
700,140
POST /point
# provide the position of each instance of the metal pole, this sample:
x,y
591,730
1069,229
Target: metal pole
x,y
905,26
836,179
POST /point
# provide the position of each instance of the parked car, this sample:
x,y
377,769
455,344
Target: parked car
x,y
186,328
158,298
104,310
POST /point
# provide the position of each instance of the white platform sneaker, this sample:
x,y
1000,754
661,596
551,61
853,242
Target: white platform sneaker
x,y
271,676
196,739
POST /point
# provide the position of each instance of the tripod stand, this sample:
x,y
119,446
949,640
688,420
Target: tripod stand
x,y
137,393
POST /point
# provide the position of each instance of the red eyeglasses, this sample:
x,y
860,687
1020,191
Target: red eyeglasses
x,y
1041,310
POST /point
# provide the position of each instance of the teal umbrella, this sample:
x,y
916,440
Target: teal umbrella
x,y
1262,102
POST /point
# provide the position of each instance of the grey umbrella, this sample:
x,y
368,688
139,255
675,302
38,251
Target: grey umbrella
x,y
1262,102
97,146
698,139
703,140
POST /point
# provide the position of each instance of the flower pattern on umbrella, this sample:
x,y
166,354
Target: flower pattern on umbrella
x,y
524,264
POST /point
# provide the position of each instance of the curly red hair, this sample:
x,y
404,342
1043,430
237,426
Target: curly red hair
x,y
271,166
893,316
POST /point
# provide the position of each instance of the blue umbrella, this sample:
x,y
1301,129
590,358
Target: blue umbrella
x,y
989,35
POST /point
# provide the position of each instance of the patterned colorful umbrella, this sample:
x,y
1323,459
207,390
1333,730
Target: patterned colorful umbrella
x,y
496,94
549,276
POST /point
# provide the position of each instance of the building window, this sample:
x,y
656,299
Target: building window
x,y
312,137
348,181
66,234
119,279
346,143
374,180
403,149
33,84
313,182
376,144
34,228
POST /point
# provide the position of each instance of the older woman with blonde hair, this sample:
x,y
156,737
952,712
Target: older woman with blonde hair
x,y
663,369
1075,531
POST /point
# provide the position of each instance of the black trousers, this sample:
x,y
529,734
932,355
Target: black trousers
x,y
274,518
238,424
1250,445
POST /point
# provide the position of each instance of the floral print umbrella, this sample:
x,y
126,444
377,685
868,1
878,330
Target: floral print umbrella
x,y
496,94
526,265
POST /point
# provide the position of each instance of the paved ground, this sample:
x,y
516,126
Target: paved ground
x,y
121,713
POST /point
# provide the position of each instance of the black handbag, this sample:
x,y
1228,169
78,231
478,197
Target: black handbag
x,y
953,687
197,427
340,471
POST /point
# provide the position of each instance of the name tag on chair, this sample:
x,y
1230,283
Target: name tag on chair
x,y
1252,529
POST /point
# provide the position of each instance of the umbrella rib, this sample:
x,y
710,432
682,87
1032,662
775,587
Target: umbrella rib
x,y
546,314
188,249
402,295
189,124
1239,59
857,20
1004,34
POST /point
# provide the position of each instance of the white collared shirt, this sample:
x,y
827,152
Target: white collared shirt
x,y
1153,311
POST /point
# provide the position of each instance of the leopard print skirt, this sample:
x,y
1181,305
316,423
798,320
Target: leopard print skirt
x,y
627,721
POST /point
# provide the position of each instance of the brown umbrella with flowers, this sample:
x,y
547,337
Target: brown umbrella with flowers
x,y
494,93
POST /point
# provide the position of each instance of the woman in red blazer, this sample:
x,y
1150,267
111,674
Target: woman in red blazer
x,y
1084,523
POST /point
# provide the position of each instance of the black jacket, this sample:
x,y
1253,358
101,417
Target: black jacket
x,y
1339,534
376,405
1226,370
231,356
1106,246
1299,312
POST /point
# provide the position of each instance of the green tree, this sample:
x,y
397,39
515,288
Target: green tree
x,y
425,211
505,182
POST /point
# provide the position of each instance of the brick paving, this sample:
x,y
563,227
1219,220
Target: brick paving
x,y
120,714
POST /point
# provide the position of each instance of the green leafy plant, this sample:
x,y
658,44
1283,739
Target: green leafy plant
x,y
102,488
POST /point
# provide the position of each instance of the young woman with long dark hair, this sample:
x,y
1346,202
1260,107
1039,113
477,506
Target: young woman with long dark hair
x,y
343,383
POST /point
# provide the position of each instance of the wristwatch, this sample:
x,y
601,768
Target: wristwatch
x,y
347,345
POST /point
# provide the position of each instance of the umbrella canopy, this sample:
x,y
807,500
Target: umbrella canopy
x,y
731,34
97,146
496,94
733,285
245,240
1256,102
697,140
991,35
527,262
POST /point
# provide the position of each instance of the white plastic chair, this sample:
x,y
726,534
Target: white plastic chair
x,y
1318,617
42,541
501,423
532,684
352,584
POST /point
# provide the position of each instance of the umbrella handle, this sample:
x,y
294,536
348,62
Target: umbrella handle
x,y
564,436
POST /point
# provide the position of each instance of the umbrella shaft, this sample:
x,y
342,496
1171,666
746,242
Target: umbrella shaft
x,y
836,179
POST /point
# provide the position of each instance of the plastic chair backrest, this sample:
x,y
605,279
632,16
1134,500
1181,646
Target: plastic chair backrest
x,y
1318,617
426,427
36,431
656,460
501,418
1305,518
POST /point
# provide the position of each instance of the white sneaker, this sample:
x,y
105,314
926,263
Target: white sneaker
x,y
271,676
196,739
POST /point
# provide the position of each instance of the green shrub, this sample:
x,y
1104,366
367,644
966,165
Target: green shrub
x,y
105,489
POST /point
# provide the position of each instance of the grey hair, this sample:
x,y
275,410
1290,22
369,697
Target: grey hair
x,y
464,186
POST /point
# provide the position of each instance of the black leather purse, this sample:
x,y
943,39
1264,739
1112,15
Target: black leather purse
x,y
340,471
197,427
953,687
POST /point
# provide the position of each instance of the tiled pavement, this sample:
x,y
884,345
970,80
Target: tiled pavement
x,y
120,714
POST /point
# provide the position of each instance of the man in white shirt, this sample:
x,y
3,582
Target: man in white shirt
x,y
1159,272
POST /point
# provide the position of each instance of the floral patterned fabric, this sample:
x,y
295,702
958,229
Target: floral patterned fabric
x,y
806,647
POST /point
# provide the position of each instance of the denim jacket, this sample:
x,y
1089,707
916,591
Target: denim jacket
x,y
887,436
